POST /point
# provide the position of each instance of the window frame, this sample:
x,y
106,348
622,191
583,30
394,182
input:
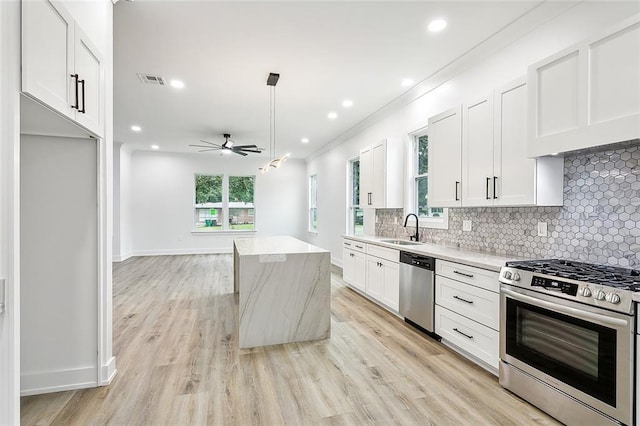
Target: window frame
x,y
313,204
352,207
225,208
411,200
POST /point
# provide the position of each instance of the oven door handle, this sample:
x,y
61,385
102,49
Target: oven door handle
x,y
600,319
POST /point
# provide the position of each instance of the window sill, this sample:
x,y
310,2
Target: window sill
x,y
225,232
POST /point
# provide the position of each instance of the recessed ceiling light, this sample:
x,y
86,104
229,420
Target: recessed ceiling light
x,y
304,140
332,115
177,84
406,82
554,153
437,25
347,103
136,128
155,147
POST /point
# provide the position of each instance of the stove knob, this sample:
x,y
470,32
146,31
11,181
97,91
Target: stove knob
x,y
600,295
515,276
507,275
613,298
586,292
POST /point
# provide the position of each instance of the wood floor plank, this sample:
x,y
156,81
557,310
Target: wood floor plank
x,y
176,342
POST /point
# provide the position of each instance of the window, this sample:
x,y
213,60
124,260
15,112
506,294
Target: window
x,y
355,215
429,217
313,203
224,203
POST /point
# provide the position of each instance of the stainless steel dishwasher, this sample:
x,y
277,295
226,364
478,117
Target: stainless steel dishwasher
x,y
417,291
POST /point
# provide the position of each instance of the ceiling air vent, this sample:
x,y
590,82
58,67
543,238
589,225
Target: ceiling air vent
x,y
151,79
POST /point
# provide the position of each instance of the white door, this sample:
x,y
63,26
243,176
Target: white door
x,y
47,54
378,175
477,153
9,193
445,155
88,66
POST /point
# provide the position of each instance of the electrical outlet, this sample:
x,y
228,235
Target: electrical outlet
x,y
542,229
466,225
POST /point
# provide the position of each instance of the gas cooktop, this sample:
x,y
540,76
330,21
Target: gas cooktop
x,y
607,287
610,276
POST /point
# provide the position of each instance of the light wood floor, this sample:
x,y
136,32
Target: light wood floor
x,y
175,339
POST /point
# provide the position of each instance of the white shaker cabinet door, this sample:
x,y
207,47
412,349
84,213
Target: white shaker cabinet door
x,y
89,67
477,153
48,54
445,155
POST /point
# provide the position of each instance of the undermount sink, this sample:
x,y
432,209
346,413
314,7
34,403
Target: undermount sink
x,y
401,242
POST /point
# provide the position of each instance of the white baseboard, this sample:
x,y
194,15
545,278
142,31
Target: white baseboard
x,y
336,261
175,252
109,371
56,381
121,257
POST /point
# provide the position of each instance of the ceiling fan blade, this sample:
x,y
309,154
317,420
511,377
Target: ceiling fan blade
x,y
209,142
251,150
245,146
239,152
206,146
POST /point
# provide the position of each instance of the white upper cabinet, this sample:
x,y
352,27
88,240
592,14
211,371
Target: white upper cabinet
x,y
519,180
381,168
477,153
47,53
445,154
60,67
587,95
496,170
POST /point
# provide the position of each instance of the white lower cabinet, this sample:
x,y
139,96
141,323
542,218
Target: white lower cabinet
x,y
476,339
467,311
372,270
354,264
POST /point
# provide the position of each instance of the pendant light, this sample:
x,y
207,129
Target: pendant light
x,y
274,162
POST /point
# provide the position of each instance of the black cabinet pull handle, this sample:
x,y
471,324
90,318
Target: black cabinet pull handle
x,y
495,179
369,198
357,246
488,180
464,334
347,244
83,103
463,274
463,300
457,198
351,254
76,106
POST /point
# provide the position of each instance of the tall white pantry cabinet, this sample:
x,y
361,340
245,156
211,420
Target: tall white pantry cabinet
x,y
66,142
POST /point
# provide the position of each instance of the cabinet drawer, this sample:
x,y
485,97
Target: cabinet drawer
x,y
354,245
476,339
472,302
383,252
469,274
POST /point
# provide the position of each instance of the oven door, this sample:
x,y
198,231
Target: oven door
x,y
583,351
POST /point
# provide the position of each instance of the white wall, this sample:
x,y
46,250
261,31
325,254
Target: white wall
x,y
162,192
59,263
122,248
10,211
510,63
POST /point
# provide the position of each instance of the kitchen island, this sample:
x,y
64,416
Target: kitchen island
x,y
284,287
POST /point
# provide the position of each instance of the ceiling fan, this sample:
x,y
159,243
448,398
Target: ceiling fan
x,y
228,146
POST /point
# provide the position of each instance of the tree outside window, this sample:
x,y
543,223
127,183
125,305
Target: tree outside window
x,y
421,179
356,217
224,203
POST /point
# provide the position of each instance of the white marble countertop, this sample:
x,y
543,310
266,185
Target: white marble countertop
x,y
471,258
274,245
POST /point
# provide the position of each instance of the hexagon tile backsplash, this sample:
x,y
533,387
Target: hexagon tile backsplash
x,y
599,222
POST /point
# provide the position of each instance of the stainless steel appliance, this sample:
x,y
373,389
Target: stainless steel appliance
x,y
567,338
417,290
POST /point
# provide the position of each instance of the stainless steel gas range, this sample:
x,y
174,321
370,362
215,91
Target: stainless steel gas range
x,y
567,338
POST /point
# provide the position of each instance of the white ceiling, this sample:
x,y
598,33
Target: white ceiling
x,y
324,51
